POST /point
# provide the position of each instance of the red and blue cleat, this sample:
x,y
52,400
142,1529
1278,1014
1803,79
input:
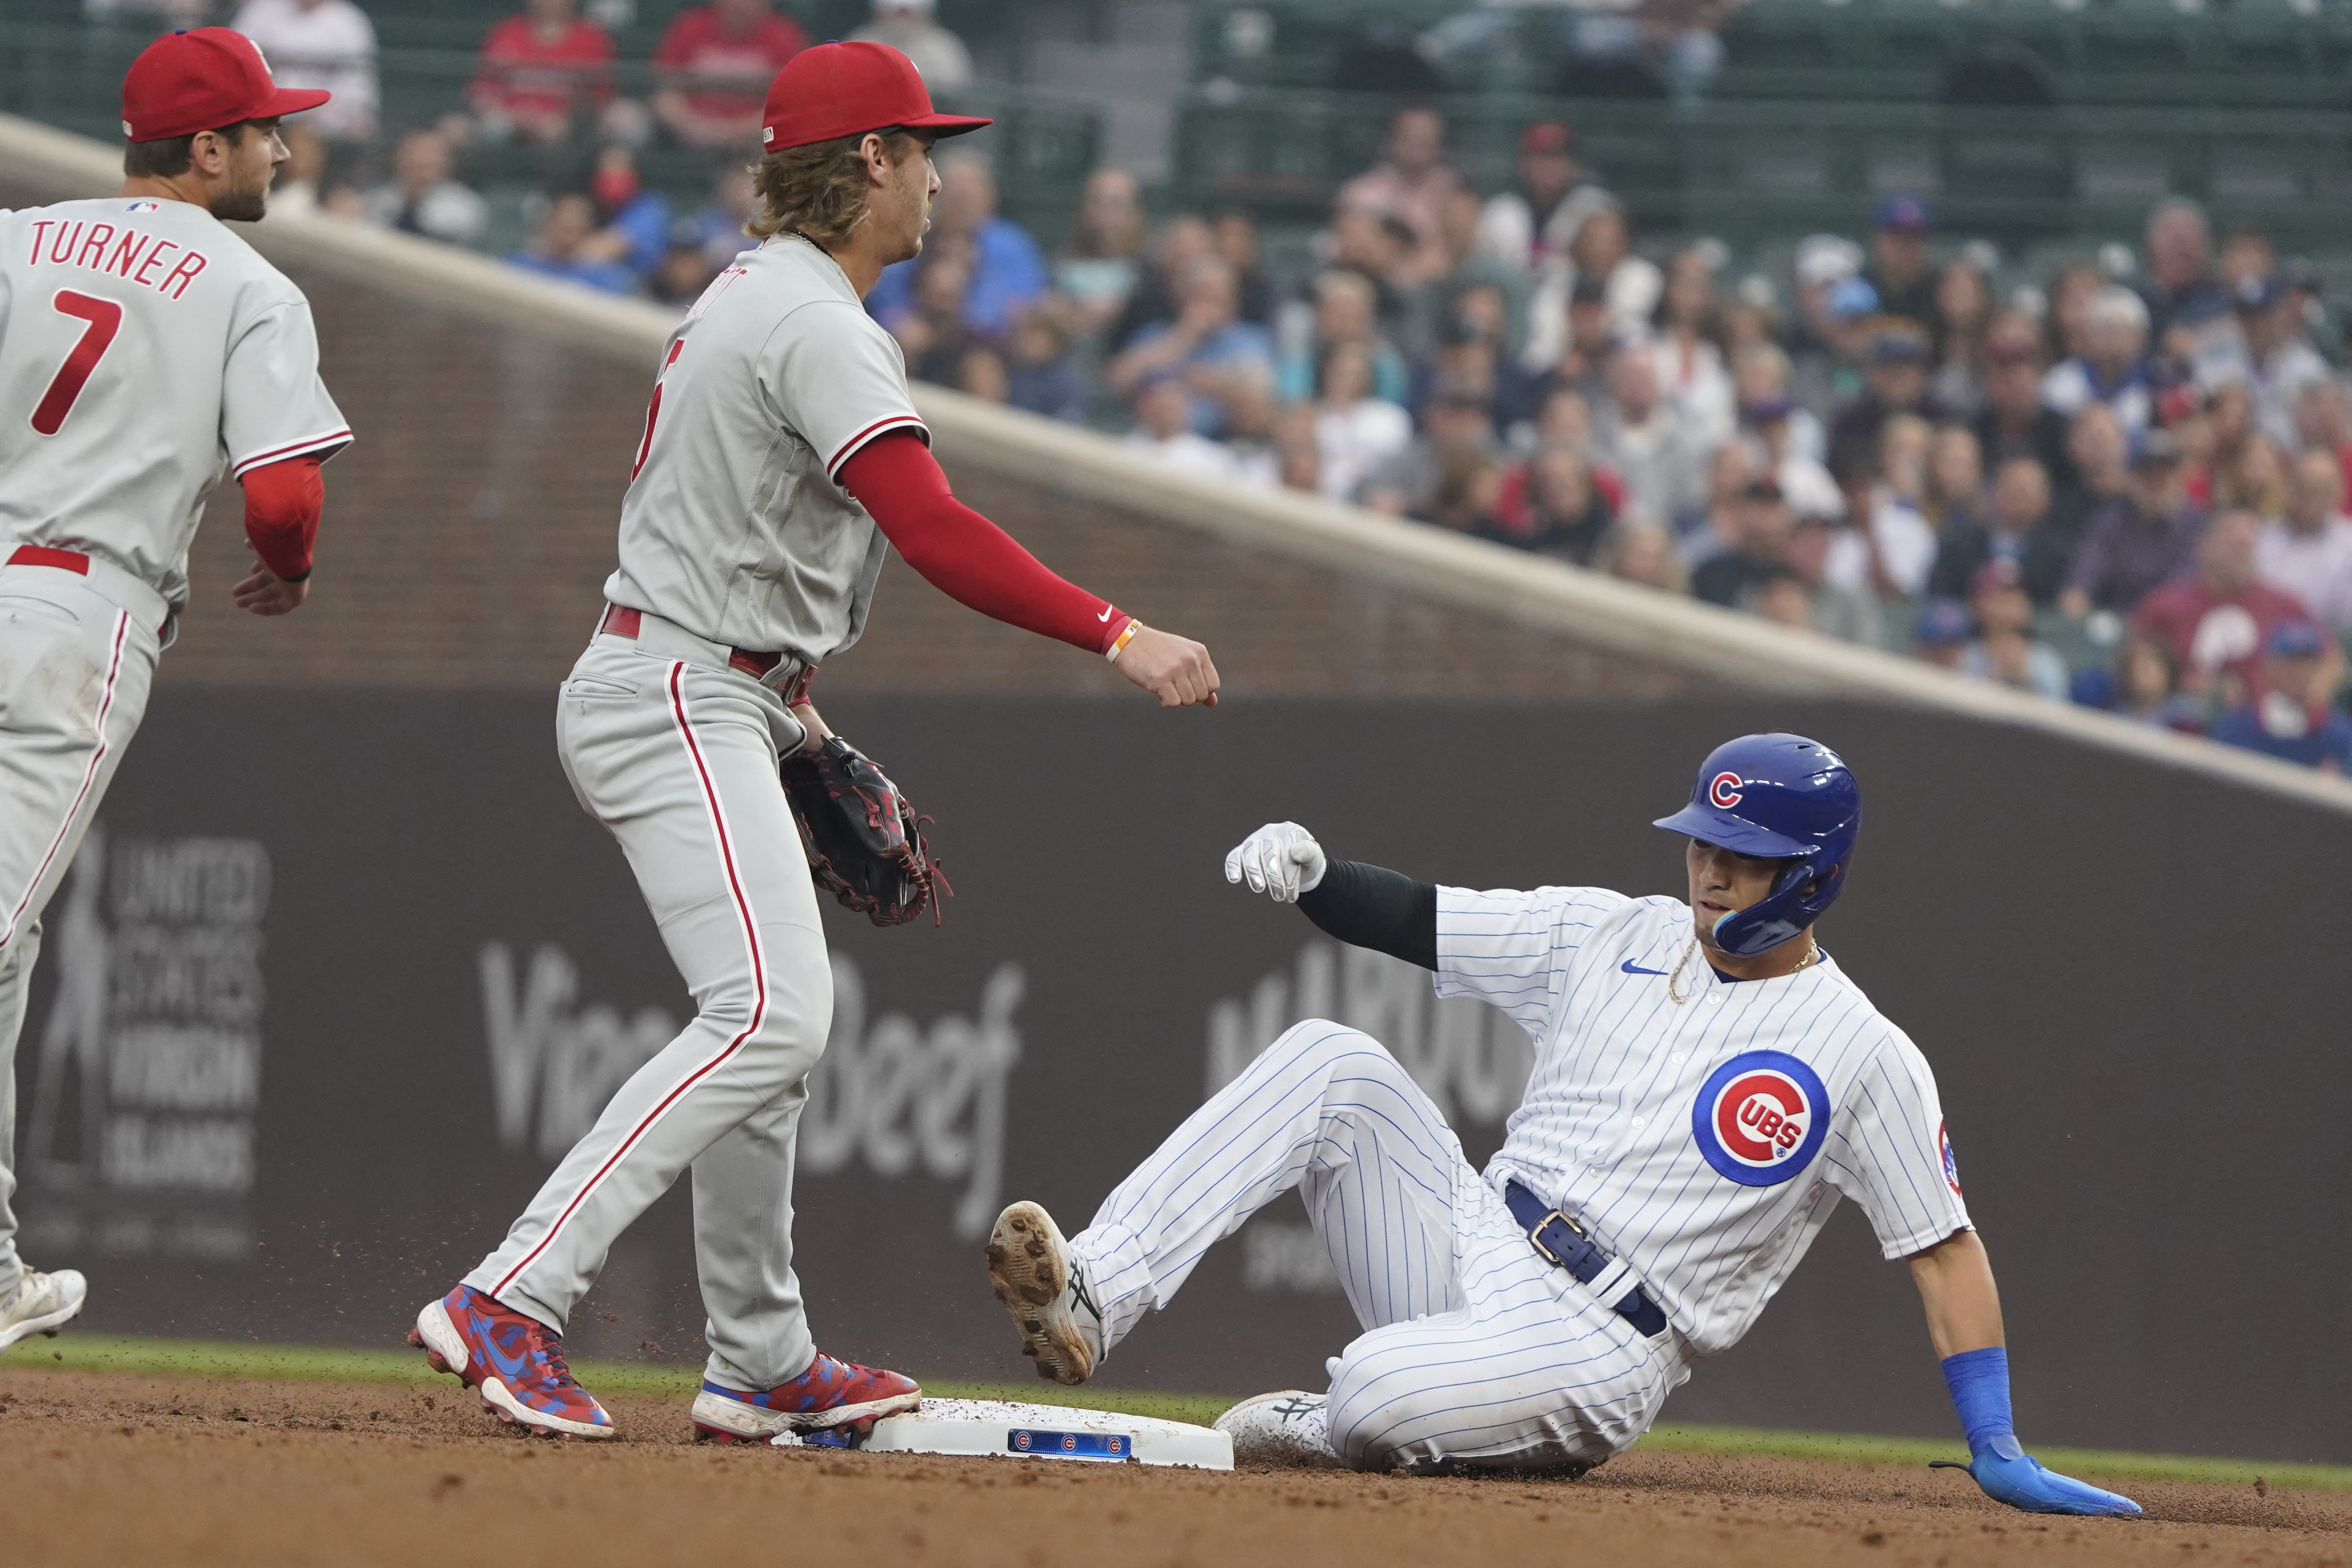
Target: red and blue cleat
x,y
516,1363
830,1395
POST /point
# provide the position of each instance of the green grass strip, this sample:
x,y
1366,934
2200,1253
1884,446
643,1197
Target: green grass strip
x,y
218,1358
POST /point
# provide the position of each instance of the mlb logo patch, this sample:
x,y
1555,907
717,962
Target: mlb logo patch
x,y
1760,1118
145,207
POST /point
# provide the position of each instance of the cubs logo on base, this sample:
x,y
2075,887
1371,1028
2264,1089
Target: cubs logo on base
x,y
1760,1118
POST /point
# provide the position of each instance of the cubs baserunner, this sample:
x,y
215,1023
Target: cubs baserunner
x,y
145,350
782,458
1707,1085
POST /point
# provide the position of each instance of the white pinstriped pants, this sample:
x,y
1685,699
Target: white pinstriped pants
x,y
77,657
678,760
1475,1349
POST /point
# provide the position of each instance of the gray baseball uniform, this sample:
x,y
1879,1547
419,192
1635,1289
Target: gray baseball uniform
x,y
735,541
144,352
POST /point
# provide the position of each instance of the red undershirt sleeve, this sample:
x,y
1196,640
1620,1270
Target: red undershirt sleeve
x,y
282,503
962,554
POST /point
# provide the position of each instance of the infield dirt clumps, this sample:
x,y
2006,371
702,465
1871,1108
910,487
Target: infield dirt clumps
x,y
110,1468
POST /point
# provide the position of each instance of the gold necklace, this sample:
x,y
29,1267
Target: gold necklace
x,y
1674,981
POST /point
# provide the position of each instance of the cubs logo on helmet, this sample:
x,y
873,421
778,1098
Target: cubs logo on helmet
x,y
1760,1118
1724,789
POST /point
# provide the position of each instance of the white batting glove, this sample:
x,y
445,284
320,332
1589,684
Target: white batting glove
x,y
1281,859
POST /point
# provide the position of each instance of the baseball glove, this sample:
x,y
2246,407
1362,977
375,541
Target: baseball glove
x,y
865,843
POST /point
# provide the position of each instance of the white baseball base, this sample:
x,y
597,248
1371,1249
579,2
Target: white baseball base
x,y
999,1428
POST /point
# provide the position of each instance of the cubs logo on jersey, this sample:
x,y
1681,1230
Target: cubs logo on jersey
x,y
1951,1165
1760,1118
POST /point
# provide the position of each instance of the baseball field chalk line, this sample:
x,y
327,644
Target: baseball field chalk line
x,y
1006,1428
1507,586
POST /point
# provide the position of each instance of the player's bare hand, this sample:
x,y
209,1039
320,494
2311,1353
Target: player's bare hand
x,y
1174,669
1281,859
267,593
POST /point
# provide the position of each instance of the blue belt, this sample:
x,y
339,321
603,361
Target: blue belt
x,y
1561,1242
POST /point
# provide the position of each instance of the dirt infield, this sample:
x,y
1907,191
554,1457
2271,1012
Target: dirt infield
x,y
110,1468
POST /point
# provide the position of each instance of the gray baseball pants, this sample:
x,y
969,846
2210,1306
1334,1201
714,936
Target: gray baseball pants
x,y
676,755
77,654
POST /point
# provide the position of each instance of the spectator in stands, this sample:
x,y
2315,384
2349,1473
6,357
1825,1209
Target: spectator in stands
x,y
2180,285
1249,425
1783,598
1941,634
1761,373
298,189
1456,428
634,218
2133,542
2294,718
982,375
2017,526
1895,385
1468,488
684,271
1603,250
1040,374
2143,686
1641,436
1183,239
1302,462
2098,458
1810,491
1686,340
422,197
2323,417
1234,234
1758,546
1826,264
1470,270
1954,497
2013,422
1582,366
1008,269
1380,248
2072,288
542,74
931,330
2113,369
1706,530
1208,342
1528,228
1900,268
1549,503
1892,555
1344,306
2256,481
1164,428
2271,353
718,223
2005,650
320,43
1101,264
1410,184
2215,618
1958,338
2307,553
561,248
713,67
1637,550
1357,431
911,27
1466,358
1677,40
1832,609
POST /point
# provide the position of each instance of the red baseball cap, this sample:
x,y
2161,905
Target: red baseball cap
x,y
189,81
846,89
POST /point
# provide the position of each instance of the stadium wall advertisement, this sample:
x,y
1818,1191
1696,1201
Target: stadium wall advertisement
x,y
342,973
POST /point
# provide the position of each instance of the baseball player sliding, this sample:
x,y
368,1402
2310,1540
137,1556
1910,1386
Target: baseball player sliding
x,y
1707,1085
144,349
782,458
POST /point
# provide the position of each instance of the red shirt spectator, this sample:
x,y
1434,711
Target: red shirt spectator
x,y
541,69
2215,620
715,64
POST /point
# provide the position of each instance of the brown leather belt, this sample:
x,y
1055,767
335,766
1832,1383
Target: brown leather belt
x,y
622,621
42,555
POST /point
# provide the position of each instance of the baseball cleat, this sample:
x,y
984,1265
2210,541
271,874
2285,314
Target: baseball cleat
x,y
1029,1264
43,1304
1285,1428
831,1393
515,1363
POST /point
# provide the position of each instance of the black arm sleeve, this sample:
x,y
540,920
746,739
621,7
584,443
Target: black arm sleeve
x,y
1371,906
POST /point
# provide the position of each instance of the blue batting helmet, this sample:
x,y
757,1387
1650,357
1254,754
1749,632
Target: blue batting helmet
x,y
1782,797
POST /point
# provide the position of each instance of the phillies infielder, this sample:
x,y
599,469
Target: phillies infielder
x,y
144,349
782,458
1707,1085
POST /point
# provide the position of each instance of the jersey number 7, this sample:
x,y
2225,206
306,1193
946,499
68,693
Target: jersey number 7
x,y
105,318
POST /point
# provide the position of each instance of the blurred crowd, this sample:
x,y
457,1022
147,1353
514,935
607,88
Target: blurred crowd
x,y
2122,485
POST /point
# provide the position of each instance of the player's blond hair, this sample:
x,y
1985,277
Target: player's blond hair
x,y
819,191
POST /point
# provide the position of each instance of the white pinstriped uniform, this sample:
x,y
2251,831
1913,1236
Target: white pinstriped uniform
x,y
734,535
1476,1350
145,351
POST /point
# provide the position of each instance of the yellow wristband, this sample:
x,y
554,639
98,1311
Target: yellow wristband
x,y
1118,645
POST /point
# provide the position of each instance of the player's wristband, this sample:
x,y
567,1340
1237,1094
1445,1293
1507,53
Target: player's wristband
x,y
1979,1380
1126,635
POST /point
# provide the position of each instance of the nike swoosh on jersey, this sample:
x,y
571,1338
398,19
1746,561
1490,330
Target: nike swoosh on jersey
x,y
1631,968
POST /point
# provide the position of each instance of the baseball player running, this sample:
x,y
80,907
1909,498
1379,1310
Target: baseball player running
x,y
1707,1085
782,458
144,349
